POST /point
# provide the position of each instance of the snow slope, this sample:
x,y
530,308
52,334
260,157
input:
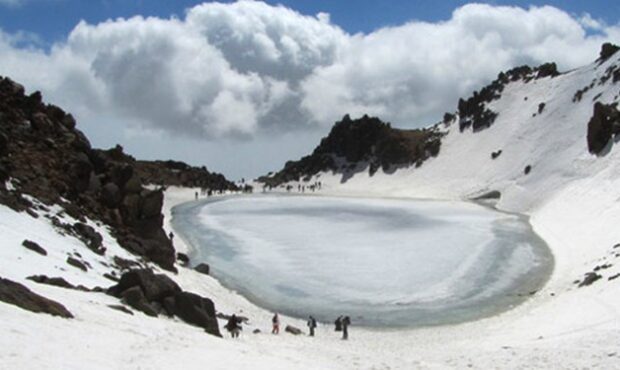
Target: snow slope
x,y
570,195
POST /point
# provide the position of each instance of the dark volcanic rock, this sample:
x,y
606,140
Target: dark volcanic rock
x,y
151,204
19,295
154,286
135,298
589,278
366,141
604,124
59,282
196,310
293,330
90,237
203,268
183,258
121,308
52,161
111,195
607,50
34,247
76,263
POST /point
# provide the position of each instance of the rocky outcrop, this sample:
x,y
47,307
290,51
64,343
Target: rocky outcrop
x,y
154,294
34,247
203,268
20,296
473,112
604,124
46,157
366,141
57,281
174,173
195,310
607,50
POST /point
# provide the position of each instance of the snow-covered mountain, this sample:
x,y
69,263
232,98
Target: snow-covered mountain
x,y
535,141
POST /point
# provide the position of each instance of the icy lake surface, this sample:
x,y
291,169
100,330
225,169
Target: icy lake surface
x,y
390,263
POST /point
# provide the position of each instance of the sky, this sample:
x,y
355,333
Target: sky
x,y
242,87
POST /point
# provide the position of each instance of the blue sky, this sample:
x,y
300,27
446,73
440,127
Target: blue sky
x,y
52,20
243,87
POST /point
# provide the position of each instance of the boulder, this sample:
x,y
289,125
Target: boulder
x,y
79,142
602,126
41,122
183,258
34,247
121,308
293,330
130,209
90,237
203,268
120,174
68,121
81,170
19,295
76,263
607,50
135,298
589,278
111,195
57,281
154,286
196,310
151,203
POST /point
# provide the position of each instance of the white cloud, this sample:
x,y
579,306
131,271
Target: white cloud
x,y
12,3
241,69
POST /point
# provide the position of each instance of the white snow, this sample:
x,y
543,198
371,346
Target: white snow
x,y
571,197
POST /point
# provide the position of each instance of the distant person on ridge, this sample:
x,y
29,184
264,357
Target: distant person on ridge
x,y
345,325
171,236
233,326
311,325
275,321
338,323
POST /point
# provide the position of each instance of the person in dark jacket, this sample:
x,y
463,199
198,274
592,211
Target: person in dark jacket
x,y
233,326
311,325
345,325
338,323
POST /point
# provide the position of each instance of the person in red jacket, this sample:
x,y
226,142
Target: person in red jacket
x,y
275,321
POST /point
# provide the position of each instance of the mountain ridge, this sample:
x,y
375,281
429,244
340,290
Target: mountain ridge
x,y
475,114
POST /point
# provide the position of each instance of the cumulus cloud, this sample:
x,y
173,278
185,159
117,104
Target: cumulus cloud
x,y
248,68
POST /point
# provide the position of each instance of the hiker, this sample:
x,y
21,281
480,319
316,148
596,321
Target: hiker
x,y
338,323
275,321
196,195
171,236
311,325
345,325
233,326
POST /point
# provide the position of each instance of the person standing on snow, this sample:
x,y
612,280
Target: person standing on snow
x,y
233,326
311,325
338,323
345,325
275,321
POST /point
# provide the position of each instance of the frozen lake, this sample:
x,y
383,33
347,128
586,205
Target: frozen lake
x,y
391,263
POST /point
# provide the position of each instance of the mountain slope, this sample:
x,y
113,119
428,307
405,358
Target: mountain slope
x,y
535,157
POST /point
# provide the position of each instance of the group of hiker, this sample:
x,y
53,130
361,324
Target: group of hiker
x,y
341,324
